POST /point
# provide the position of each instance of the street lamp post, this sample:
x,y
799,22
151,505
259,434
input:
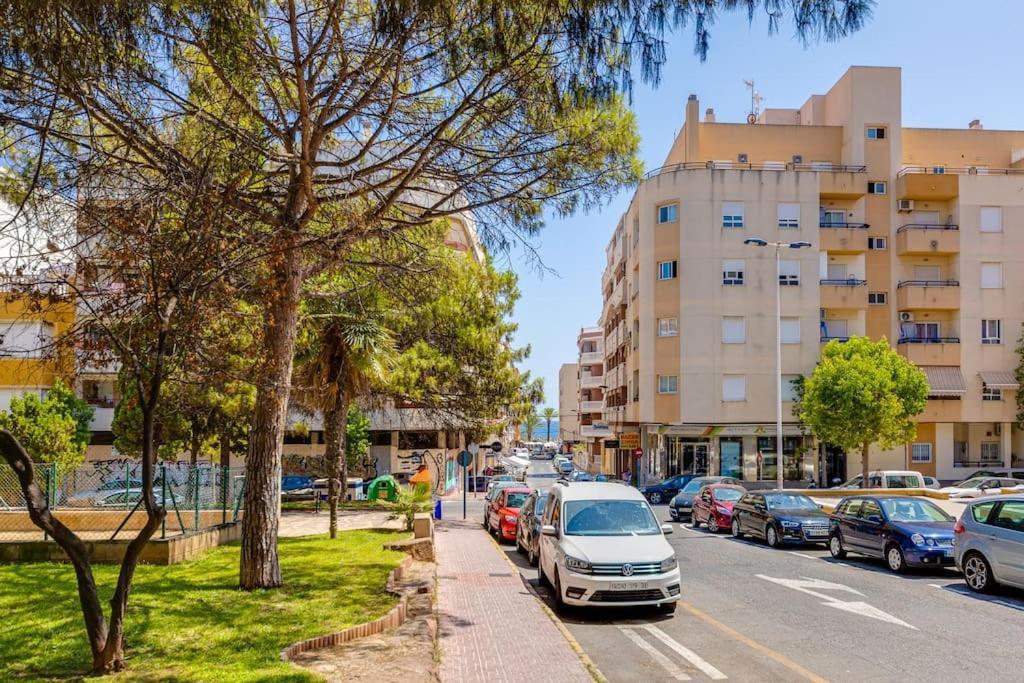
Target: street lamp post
x,y
779,246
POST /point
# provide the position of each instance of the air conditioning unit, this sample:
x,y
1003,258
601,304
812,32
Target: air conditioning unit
x,y
742,158
798,159
906,317
904,205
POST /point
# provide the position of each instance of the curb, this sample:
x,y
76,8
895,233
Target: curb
x,y
587,662
394,618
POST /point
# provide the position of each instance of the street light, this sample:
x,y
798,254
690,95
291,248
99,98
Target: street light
x,y
758,242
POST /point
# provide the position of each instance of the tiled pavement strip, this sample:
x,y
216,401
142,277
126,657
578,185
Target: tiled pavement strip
x,y
491,627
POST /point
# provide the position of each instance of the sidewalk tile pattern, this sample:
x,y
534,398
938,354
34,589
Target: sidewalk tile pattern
x,y
492,629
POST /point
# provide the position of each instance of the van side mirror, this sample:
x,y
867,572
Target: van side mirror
x,y
666,529
548,530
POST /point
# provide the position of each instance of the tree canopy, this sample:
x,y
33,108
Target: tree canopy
x,y
863,392
54,429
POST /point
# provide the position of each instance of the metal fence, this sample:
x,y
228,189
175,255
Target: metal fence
x,y
103,500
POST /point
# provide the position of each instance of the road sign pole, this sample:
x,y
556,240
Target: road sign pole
x,y
465,489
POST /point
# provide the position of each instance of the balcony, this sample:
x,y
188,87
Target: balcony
x,y
843,238
930,350
590,357
928,183
935,295
837,182
922,239
591,406
591,381
849,293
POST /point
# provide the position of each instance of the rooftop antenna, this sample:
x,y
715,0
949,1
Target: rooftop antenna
x,y
755,102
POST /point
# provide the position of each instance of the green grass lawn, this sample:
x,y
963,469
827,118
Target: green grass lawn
x,y
189,622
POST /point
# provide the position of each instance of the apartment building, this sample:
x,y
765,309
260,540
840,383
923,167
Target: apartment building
x,y
593,427
917,236
569,403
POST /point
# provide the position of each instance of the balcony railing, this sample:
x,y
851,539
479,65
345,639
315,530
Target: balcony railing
x,y
830,337
844,282
957,462
927,226
836,224
929,340
927,283
958,170
762,166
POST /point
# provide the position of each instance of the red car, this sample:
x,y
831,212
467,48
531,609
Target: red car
x,y
503,511
712,506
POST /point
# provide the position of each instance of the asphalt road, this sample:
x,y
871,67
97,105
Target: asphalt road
x,y
751,613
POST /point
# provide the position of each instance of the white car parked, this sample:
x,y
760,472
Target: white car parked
x,y
977,487
601,545
887,479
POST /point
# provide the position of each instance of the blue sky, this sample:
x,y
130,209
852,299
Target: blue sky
x,y
960,61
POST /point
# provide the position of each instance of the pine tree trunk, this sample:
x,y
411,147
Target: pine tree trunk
x,y
333,455
260,566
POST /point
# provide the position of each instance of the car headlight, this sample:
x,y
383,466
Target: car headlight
x,y
786,524
668,564
510,518
917,539
576,565
722,510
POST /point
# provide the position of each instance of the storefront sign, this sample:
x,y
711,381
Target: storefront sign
x,y
611,444
629,440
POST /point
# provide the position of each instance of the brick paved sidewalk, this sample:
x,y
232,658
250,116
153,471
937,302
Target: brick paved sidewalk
x,y
491,627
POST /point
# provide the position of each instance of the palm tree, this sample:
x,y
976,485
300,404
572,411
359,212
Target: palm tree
x,y
531,421
341,357
549,414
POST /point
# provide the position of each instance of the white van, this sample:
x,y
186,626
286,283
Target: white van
x,y
602,546
887,479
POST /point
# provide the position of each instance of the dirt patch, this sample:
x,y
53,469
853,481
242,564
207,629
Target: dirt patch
x,y
404,653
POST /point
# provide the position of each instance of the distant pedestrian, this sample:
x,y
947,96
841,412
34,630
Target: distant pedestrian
x,y
627,476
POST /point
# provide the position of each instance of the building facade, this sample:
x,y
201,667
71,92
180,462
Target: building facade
x,y
917,236
569,404
593,426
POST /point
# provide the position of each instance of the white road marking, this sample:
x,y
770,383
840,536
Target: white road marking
x,y
809,557
814,586
666,663
687,654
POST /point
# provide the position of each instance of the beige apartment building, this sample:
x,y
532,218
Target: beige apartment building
x,y
593,426
917,236
569,403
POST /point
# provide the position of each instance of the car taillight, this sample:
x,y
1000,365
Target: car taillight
x,y
959,528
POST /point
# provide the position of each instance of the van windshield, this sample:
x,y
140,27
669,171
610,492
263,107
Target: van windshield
x,y
609,518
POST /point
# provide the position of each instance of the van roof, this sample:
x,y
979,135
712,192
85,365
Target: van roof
x,y
595,490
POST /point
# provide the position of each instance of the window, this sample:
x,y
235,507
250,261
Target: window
x,y
789,273
668,213
831,217
789,215
734,330
876,187
920,452
835,329
414,441
981,511
732,214
876,243
991,394
990,452
991,275
668,327
667,269
927,273
668,384
990,332
875,133
876,297
790,330
991,219
1010,515
870,509
732,272
380,438
734,388
789,387
836,271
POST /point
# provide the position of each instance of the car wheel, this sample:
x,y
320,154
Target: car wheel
x,y
542,578
655,498
694,522
712,524
668,607
895,559
736,533
835,547
519,546
978,573
771,536
557,588
531,556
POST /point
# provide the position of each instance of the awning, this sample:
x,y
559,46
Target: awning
x,y
999,379
944,380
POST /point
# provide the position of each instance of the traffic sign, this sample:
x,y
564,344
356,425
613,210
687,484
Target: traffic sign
x,y
496,447
638,453
473,448
465,458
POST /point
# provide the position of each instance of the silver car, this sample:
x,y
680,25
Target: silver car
x,y
990,542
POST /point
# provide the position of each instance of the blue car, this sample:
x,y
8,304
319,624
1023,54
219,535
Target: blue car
x,y
905,531
665,490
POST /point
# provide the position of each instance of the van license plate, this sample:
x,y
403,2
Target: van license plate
x,y
948,552
629,586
